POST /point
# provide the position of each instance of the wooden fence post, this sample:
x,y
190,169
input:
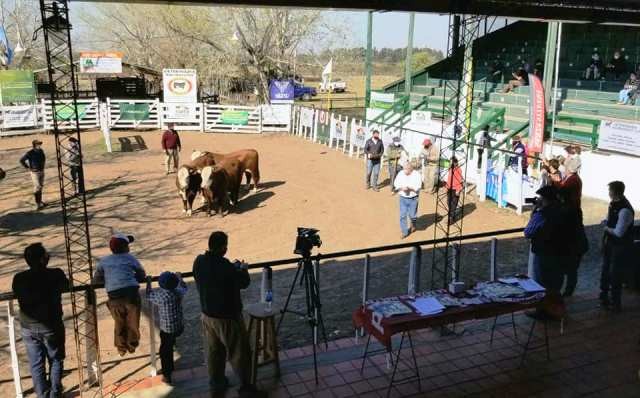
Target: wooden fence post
x,y
414,271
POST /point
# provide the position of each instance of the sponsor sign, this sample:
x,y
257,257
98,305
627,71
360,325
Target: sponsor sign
x,y
358,135
180,85
306,117
338,129
65,113
240,118
180,112
19,116
135,112
281,90
17,86
537,114
381,100
620,137
276,114
421,118
100,62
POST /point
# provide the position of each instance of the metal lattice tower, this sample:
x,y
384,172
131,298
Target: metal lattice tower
x,y
63,83
458,103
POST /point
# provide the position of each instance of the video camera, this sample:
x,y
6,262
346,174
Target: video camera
x,y
307,238
531,201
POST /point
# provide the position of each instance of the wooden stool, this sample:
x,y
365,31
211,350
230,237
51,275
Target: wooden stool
x,y
265,342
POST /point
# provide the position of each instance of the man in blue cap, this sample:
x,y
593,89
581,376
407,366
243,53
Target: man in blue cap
x,y
168,299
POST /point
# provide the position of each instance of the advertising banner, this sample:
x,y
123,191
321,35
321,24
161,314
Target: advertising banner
x,y
16,87
338,129
306,117
19,116
276,114
180,85
620,137
381,100
181,113
240,118
281,90
537,114
135,112
64,113
101,62
358,135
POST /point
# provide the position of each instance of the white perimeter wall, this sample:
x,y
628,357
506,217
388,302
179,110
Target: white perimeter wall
x,y
598,169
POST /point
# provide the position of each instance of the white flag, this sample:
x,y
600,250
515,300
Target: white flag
x,y
327,69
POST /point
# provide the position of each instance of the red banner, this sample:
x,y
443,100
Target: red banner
x,y
537,114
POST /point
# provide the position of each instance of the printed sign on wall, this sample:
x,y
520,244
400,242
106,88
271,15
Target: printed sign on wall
x,y
101,62
620,137
180,85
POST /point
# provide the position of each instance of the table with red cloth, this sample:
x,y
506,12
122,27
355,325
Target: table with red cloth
x,y
386,328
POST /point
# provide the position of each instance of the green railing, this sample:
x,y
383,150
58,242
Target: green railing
x,y
399,106
583,137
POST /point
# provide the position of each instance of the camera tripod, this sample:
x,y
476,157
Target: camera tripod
x,y
312,300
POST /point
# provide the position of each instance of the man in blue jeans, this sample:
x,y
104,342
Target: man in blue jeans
x,y
408,184
39,292
373,150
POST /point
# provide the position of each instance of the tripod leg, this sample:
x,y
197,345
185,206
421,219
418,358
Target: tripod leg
x,y
286,303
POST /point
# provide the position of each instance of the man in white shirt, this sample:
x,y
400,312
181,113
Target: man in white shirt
x,y
617,244
408,184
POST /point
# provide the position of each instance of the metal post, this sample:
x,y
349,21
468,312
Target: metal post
x,y
530,272
365,288
368,60
409,57
316,315
554,108
152,335
91,335
15,365
494,259
550,60
414,270
455,267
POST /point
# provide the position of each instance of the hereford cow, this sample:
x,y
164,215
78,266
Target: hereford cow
x,y
248,162
221,184
188,182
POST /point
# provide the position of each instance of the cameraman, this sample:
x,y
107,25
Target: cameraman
x,y
546,230
219,282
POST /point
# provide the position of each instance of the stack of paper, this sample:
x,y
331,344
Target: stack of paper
x,y
427,306
527,284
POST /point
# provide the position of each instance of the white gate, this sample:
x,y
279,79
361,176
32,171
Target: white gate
x,y
187,116
150,121
87,112
233,119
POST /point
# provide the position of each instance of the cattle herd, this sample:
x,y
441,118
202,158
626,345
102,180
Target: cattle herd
x,y
217,178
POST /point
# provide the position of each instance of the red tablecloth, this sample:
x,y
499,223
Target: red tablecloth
x,y
387,327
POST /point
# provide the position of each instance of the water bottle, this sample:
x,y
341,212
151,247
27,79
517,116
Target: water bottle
x,y
268,300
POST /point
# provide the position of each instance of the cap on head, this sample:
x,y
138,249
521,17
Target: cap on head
x,y
396,139
168,280
36,142
516,137
119,242
426,142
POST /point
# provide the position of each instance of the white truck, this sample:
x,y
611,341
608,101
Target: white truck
x,y
337,86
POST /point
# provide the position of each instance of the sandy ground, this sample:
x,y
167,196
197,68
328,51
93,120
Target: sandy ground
x,y
303,184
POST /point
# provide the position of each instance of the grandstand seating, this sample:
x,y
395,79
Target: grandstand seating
x,y
581,103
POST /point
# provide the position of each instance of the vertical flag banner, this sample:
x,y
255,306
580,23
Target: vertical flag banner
x,y
537,114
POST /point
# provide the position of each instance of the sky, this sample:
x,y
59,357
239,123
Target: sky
x,y
390,29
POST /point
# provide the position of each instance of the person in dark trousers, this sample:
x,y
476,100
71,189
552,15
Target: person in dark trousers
x,y
396,155
373,150
520,151
168,299
617,246
575,242
39,292
547,230
121,274
455,185
219,282
72,156
483,142
171,146
617,66
34,161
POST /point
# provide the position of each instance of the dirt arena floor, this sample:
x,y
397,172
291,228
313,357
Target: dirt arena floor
x,y
302,184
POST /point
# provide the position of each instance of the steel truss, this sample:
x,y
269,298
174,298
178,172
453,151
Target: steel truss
x,y
457,103
62,78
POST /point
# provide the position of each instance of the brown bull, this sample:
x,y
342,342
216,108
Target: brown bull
x,y
221,184
248,158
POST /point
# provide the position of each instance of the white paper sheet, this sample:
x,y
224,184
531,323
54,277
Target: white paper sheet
x,y
427,306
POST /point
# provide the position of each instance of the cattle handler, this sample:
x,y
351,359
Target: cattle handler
x,y
34,161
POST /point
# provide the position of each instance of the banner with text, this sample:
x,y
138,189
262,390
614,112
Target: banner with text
x,y
100,62
306,117
240,118
181,113
381,100
17,86
338,129
281,90
65,112
134,112
359,134
19,116
276,114
180,85
537,114
620,137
